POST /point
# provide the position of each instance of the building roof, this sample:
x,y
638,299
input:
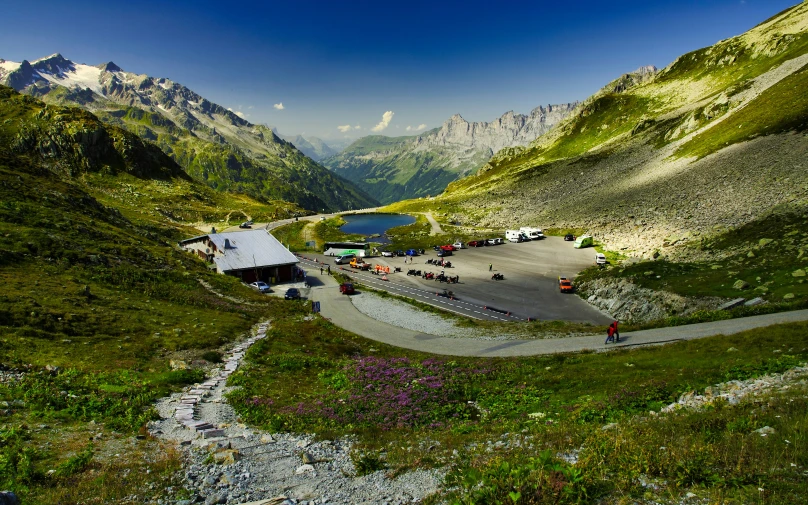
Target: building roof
x,y
248,249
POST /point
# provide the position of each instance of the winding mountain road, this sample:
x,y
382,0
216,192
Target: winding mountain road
x,y
340,311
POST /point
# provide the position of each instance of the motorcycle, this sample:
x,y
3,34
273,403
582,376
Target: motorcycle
x,y
447,294
448,264
441,278
417,273
498,277
428,275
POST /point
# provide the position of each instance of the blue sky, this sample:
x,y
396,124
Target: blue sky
x,y
333,63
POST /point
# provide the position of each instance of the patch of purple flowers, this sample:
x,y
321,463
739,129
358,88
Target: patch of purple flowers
x,y
392,393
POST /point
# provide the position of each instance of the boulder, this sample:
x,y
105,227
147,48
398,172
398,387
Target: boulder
x,y
741,284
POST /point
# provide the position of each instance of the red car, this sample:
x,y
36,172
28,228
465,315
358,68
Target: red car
x,y
448,247
346,288
475,243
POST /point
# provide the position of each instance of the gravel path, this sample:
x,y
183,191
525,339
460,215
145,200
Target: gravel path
x,y
228,462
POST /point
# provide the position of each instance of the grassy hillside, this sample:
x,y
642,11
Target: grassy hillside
x,y
94,285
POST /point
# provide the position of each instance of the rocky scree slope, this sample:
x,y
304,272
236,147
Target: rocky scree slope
x,y
211,143
396,168
654,160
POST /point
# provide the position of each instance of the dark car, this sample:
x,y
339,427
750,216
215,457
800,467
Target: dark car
x,y
292,294
245,224
420,251
436,248
346,288
400,253
444,252
569,237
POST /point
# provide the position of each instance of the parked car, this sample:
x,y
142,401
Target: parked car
x,y
499,241
491,241
388,254
420,251
444,252
292,294
448,247
400,253
436,248
565,285
476,243
459,245
412,252
344,258
569,237
245,225
600,259
261,286
346,288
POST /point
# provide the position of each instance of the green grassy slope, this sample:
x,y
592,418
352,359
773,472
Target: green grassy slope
x,y
392,169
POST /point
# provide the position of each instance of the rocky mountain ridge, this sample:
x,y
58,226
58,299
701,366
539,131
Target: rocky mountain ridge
x,y
210,142
405,167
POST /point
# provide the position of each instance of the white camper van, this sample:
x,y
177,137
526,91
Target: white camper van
x,y
515,236
532,233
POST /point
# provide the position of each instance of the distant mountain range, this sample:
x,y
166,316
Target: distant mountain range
x,y
396,168
313,147
210,142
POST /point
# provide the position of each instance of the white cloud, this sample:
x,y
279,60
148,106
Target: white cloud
x,y
385,122
416,128
279,106
238,112
344,128
250,107
357,127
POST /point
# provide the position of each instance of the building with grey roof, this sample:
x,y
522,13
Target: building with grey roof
x,y
253,255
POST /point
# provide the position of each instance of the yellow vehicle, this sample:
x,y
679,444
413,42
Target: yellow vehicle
x,y
360,264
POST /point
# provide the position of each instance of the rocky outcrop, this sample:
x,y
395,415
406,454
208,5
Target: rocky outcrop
x,y
630,303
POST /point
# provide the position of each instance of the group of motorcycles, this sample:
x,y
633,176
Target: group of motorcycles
x,y
439,262
451,279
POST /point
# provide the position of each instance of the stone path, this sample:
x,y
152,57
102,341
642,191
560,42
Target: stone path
x,y
229,462
187,410
436,229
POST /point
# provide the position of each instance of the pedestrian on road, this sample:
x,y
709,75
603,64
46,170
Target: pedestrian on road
x,y
616,333
329,269
490,267
609,334
321,270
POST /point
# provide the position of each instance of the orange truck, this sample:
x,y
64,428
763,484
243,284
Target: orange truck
x,y
360,264
565,285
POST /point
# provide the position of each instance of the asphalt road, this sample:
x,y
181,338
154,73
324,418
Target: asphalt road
x,y
530,289
339,310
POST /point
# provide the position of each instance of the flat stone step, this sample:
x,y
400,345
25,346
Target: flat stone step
x,y
212,433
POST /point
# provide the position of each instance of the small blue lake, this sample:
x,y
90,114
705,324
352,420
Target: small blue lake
x,y
371,224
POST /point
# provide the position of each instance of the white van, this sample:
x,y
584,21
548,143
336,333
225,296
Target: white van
x,y
532,233
515,236
344,259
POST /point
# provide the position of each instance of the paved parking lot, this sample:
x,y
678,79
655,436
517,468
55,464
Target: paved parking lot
x,y
530,287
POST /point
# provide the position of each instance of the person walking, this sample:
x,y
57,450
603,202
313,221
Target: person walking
x,y
321,269
490,267
615,332
329,269
609,334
